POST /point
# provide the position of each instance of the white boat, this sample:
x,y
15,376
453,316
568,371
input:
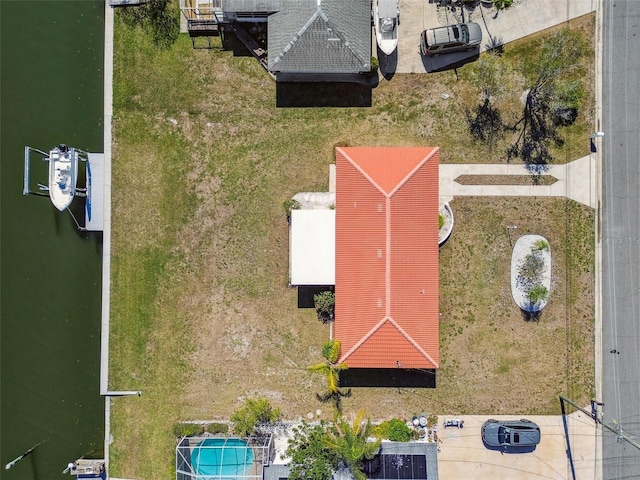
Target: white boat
x,y
63,175
386,14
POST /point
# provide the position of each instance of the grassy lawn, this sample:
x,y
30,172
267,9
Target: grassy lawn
x,y
202,315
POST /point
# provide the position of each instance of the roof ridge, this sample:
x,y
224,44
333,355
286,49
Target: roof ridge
x,y
401,331
355,165
413,171
364,338
410,339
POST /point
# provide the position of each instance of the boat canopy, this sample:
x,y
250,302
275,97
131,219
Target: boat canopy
x,y
387,8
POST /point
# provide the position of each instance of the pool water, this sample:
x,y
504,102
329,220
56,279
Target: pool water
x,y
221,458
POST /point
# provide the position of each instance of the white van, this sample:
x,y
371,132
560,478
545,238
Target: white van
x,y
452,38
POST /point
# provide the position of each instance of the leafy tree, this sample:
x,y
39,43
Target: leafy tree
x,y
310,457
252,413
331,369
325,303
552,90
350,441
491,76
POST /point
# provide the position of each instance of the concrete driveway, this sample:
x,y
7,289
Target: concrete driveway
x,y
463,455
522,19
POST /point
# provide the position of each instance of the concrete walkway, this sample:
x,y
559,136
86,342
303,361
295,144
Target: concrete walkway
x,y
523,18
576,180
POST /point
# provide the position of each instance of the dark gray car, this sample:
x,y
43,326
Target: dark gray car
x,y
510,433
451,38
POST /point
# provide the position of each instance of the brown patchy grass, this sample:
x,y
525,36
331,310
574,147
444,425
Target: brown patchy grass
x,y
506,180
202,315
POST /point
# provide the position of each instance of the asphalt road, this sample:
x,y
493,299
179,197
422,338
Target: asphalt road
x,y
620,236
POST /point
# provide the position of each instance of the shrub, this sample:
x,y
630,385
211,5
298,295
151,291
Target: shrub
x,y
218,428
537,293
395,430
432,420
187,429
310,459
440,222
253,412
502,4
289,205
541,245
325,305
375,64
331,350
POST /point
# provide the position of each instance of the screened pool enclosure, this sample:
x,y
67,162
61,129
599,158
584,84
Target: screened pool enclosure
x,y
218,458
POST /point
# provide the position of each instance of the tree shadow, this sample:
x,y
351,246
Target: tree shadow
x,y
531,316
485,124
536,133
495,44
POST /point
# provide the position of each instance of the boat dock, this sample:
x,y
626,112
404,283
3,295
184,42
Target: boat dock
x,y
85,468
94,209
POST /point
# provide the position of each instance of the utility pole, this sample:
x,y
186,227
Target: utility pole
x,y
621,435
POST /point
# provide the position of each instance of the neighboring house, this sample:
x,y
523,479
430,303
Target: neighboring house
x,y
307,40
311,40
386,312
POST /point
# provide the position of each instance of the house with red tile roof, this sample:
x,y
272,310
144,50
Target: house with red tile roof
x,y
386,270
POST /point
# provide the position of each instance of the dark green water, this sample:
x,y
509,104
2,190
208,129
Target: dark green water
x,y
51,93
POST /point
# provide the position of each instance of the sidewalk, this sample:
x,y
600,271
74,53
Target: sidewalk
x,y
523,18
576,180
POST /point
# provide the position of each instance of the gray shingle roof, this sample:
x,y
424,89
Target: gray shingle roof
x,y
250,5
320,36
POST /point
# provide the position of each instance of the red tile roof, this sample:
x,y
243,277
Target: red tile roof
x,y
387,256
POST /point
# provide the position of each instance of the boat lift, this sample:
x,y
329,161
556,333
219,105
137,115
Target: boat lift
x,y
92,192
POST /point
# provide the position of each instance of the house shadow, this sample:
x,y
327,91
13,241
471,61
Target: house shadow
x,y
231,43
323,94
449,61
388,377
306,293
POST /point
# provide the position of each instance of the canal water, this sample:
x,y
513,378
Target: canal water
x,y
51,92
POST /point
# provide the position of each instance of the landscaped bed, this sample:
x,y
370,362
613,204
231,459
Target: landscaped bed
x,y
202,315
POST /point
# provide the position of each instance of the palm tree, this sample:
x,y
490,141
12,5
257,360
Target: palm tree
x,y
349,441
331,369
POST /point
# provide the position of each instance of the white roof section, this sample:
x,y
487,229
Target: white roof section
x,y
312,247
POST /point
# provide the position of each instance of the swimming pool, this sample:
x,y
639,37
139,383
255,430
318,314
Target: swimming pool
x,y
218,458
